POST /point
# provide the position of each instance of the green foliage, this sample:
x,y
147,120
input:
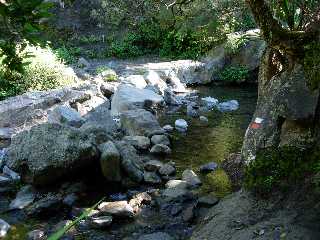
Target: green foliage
x,y
20,22
43,72
235,42
234,74
277,169
68,54
20,25
312,64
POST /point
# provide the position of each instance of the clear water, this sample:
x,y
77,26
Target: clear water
x,y
213,143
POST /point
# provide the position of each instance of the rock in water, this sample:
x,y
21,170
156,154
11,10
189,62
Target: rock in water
x,y
117,209
4,228
139,122
66,115
210,102
228,106
130,98
191,178
181,125
110,161
50,151
209,167
24,198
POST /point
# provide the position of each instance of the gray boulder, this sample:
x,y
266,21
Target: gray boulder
x,y
153,165
167,170
129,98
139,142
65,115
139,122
191,178
136,81
160,139
160,149
131,163
170,98
110,161
151,177
49,151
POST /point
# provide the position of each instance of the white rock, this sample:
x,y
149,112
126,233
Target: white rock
x,y
154,79
130,98
4,228
120,208
136,80
181,125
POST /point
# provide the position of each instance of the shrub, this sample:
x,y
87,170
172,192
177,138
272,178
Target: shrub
x,y
234,74
68,54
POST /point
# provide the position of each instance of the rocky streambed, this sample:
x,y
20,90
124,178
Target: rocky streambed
x,y
146,144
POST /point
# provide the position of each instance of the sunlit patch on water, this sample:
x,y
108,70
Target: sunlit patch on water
x,y
212,143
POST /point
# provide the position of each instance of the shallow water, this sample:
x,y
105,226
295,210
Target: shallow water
x,y
213,143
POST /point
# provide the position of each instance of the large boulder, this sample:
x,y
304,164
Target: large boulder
x,y
30,109
285,110
48,152
130,98
139,122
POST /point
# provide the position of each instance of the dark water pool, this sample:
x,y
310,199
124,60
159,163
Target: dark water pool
x,y
223,135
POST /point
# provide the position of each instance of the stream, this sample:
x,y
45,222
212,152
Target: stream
x,y
200,145
213,143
